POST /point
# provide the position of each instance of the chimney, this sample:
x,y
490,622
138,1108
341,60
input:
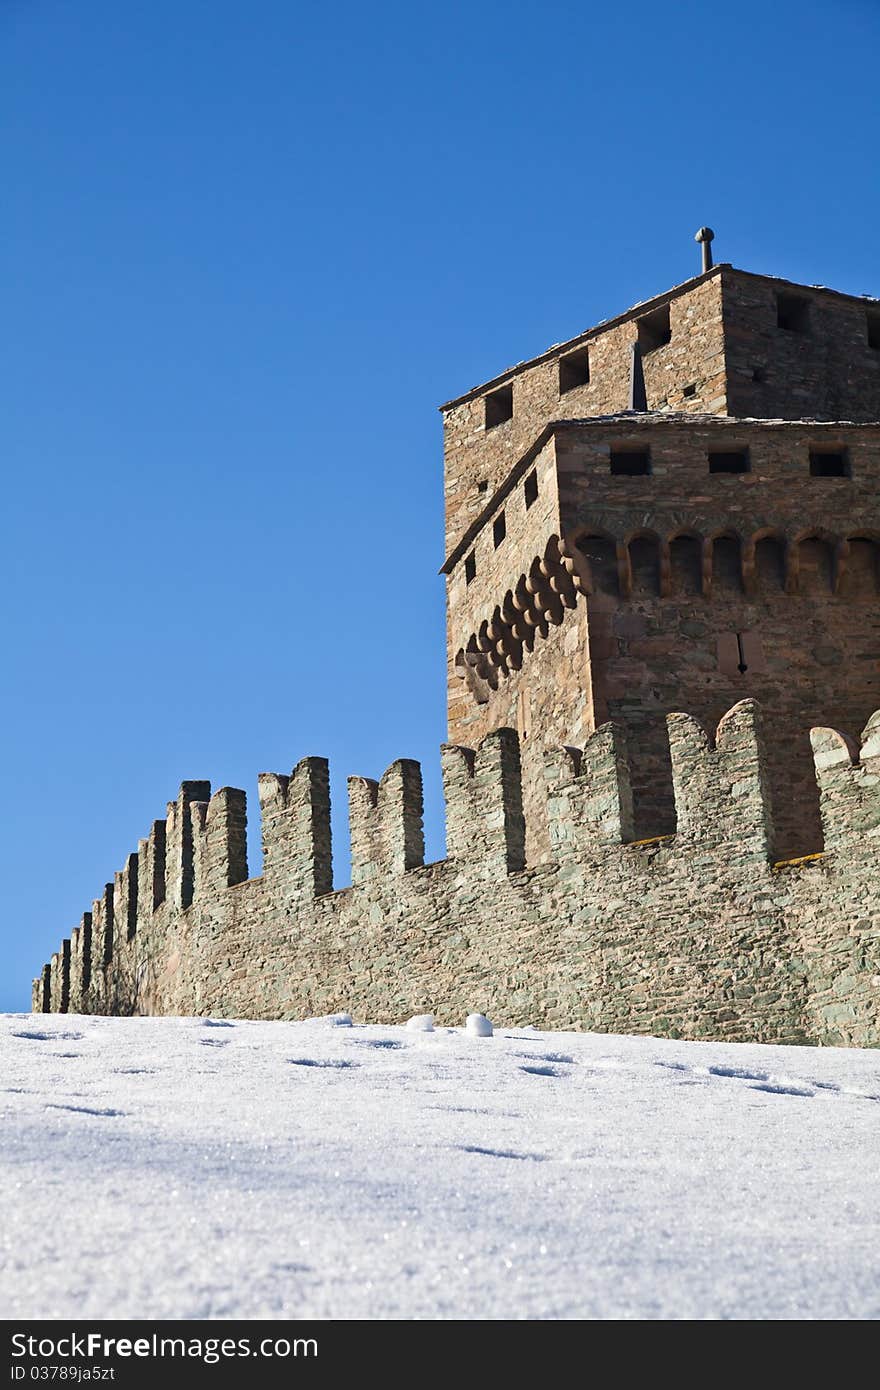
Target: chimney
x,y
705,236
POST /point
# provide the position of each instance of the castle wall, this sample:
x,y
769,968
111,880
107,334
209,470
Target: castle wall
x,y
693,936
693,358
824,370
643,875
471,602
790,577
546,687
727,355
548,701
784,561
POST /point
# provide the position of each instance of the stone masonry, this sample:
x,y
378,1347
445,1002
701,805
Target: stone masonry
x,y
613,864
698,934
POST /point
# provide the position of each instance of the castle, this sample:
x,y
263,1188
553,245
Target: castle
x,y
678,510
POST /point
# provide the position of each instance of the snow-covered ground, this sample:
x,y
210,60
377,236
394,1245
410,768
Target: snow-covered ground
x,y
188,1168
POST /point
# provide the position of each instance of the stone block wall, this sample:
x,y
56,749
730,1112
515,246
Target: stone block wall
x,y
824,367
698,934
478,459
726,355
786,562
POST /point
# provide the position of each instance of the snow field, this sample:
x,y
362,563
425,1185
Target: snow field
x,y
189,1168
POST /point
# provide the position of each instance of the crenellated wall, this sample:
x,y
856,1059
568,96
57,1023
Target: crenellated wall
x,y
691,934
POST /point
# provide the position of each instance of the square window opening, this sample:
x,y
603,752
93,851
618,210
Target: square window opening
x,y
470,568
530,488
655,330
499,529
793,313
730,461
630,463
574,371
829,463
690,389
874,331
499,407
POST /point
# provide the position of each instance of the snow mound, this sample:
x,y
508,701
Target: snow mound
x,y
478,1026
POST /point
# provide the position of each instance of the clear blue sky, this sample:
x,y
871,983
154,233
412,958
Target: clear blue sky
x,y
247,251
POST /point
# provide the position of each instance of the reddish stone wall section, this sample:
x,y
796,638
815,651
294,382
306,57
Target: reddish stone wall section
x,y
477,460
679,579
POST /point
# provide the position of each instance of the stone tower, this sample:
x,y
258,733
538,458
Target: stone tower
x,y
605,562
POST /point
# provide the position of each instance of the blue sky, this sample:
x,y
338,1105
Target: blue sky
x,y
247,251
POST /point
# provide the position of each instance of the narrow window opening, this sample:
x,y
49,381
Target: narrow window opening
x,y
655,330
874,331
523,715
483,485
531,488
470,568
793,313
829,463
730,461
742,664
499,407
690,389
574,370
739,653
630,463
499,529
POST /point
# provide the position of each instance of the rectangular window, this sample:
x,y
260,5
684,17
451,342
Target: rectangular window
x,y
499,406
499,529
530,488
730,461
793,313
574,370
630,463
483,485
655,330
470,568
873,330
829,463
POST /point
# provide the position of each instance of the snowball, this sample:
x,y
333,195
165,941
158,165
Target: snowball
x,y
421,1023
478,1026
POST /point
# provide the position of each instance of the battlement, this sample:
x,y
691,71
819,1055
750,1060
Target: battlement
x,y
849,783
199,936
